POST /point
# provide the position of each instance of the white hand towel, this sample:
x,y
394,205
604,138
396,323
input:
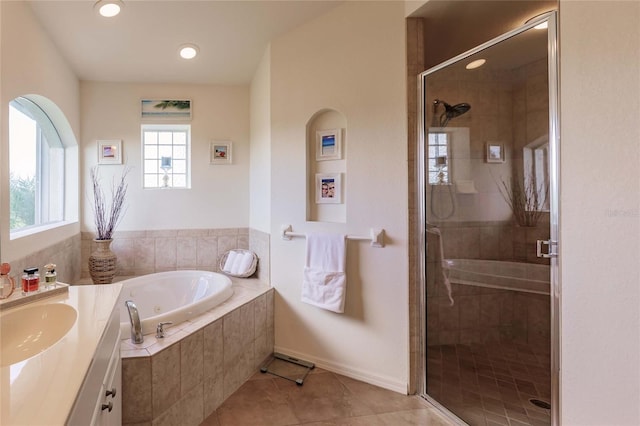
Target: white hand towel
x,y
228,263
245,263
324,280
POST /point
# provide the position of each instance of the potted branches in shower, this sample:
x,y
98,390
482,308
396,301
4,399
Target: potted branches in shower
x,y
526,199
102,261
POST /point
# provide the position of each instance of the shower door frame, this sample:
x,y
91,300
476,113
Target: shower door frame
x,y
554,216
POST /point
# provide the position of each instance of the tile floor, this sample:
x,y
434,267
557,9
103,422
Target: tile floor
x,y
324,399
491,384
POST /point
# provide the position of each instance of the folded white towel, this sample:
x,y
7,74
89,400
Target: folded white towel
x,y
228,263
244,263
324,279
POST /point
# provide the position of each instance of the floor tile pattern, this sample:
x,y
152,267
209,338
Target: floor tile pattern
x,y
324,399
491,384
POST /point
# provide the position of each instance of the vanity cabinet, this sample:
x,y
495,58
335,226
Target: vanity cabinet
x,y
99,401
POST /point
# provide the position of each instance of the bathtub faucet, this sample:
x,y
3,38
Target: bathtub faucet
x,y
136,328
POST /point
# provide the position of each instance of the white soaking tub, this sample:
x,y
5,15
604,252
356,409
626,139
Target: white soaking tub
x,y
517,276
174,296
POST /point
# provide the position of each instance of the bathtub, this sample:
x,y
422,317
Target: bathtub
x,y
524,277
172,296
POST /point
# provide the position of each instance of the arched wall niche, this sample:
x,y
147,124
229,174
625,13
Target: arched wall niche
x,y
327,167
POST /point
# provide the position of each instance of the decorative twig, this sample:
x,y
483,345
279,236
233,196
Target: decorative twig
x,y
106,222
525,199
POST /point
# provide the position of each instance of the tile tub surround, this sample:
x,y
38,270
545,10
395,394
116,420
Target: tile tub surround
x,y
145,252
184,377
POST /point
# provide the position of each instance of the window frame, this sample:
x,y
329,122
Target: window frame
x,y
49,146
173,128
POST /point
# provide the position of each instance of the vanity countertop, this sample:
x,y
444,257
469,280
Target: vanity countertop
x,y
42,389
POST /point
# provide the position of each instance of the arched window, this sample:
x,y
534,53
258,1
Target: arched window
x,y
36,167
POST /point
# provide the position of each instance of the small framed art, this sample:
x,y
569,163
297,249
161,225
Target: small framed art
x,y
166,109
495,152
220,152
328,144
328,188
110,152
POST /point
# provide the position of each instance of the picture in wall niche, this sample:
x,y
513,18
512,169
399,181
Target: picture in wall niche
x,y
328,188
220,152
110,152
328,144
166,108
495,152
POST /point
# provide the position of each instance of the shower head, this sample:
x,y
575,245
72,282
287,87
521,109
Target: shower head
x,y
450,111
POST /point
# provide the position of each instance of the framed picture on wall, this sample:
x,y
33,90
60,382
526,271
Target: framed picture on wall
x,y
495,152
328,144
110,152
166,109
220,152
328,188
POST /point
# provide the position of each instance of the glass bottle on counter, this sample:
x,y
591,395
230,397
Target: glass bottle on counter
x,y
50,276
7,285
30,281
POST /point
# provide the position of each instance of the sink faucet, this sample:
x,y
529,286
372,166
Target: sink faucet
x,y
136,328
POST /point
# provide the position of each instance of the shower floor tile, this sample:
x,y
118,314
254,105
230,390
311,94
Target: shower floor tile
x,y
492,383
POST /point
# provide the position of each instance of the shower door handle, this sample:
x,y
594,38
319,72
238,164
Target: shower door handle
x,y
550,252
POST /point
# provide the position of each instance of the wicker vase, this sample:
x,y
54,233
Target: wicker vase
x,y
102,263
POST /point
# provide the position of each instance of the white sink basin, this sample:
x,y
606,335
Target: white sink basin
x,y
29,331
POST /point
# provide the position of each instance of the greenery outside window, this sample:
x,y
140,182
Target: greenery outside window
x,y
36,167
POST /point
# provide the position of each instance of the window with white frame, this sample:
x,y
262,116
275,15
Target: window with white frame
x,y
36,168
166,155
439,161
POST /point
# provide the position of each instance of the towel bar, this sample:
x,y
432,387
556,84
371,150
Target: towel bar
x,y
376,236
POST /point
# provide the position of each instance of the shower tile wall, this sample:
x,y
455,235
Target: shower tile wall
x,y
145,252
508,107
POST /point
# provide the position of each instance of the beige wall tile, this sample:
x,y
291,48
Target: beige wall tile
x,y
186,252
165,379
145,251
207,252
165,253
136,390
191,361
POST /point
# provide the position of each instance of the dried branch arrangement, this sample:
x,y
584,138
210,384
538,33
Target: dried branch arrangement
x,y
525,199
107,218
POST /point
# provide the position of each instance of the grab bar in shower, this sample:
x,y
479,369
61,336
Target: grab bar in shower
x,y
376,236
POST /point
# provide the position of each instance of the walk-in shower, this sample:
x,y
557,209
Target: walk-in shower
x,y
489,297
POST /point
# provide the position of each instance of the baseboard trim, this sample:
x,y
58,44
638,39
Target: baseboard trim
x,y
345,370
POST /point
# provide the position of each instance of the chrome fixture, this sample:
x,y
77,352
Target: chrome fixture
x,y
450,111
136,328
160,329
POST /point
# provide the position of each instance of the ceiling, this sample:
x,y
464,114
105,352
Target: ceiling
x,y
141,44
452,27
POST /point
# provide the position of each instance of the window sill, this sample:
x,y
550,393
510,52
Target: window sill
x,y
37,229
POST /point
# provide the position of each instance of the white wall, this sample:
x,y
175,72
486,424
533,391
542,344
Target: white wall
x,y
260,178
351,60
219,194
31,64
600,212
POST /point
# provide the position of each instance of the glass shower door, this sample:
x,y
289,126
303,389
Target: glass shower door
x,y
488,156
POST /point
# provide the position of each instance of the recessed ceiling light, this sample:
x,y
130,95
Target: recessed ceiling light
x,y
188,51
475,64
108,8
